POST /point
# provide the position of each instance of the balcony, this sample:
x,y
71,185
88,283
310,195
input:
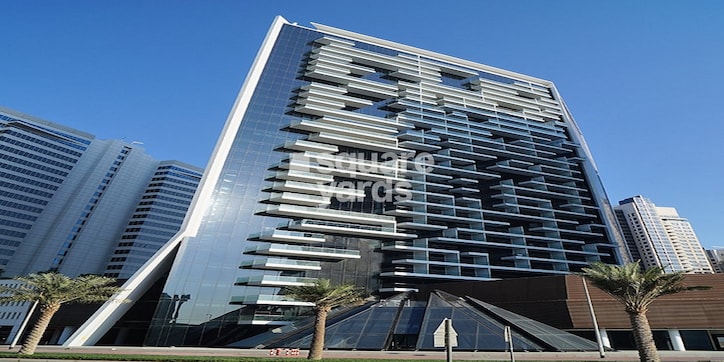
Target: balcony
x,y
438,277
281,264
352,116
329,214
315,188
299,199
354,141
295,174
320,125
303,145
264,320
268,299
287,236
309,252
341,228
274,281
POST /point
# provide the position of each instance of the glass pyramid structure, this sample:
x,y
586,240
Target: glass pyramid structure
x,y
403,323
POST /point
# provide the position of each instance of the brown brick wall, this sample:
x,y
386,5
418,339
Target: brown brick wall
x,y
699,309
560,302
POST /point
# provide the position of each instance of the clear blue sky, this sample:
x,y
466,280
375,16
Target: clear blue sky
x,y
644,79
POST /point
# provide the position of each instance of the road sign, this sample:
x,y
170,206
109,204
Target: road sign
x,y
439,335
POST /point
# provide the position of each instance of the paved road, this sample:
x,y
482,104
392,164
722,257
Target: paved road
x,y
672,356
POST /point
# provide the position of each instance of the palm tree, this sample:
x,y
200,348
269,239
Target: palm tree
x,y
325,296
51,290
636,289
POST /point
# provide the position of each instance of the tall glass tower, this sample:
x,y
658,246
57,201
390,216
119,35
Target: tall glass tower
x,y
369,162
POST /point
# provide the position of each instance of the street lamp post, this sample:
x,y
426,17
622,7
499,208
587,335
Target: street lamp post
x,y
599,341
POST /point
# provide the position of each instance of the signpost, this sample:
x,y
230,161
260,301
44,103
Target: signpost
x,y
446,336
508,334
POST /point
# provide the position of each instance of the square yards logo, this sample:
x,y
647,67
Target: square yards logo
x,y
358,177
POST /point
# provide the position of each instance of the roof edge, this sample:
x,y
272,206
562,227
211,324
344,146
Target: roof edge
x,y
428,53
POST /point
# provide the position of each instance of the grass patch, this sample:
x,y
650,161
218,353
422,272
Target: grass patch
x,y
159,358
131,357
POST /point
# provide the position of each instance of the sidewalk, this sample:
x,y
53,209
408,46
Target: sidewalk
x,y
672,356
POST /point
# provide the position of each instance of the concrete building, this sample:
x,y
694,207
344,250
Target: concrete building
x,y
157,217
12,315
365,161
75,204
659,237
716,259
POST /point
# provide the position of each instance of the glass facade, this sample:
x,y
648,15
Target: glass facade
x,y
373,163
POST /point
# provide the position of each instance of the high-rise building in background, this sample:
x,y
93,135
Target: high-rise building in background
x,y
716,259
67,198
365,161
156,218
659,237
75,204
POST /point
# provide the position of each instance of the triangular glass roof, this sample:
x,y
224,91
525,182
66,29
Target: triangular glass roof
x,y
476,331
553,338
402,322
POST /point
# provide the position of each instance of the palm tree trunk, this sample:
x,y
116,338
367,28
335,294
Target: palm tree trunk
x,y
31,342
643,337
320,324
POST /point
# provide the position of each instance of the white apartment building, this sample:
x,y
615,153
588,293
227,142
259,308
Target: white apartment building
x,y
658,236
716,258
75,204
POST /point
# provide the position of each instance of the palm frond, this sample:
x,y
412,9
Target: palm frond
x,y
325,295
634,288
55,288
